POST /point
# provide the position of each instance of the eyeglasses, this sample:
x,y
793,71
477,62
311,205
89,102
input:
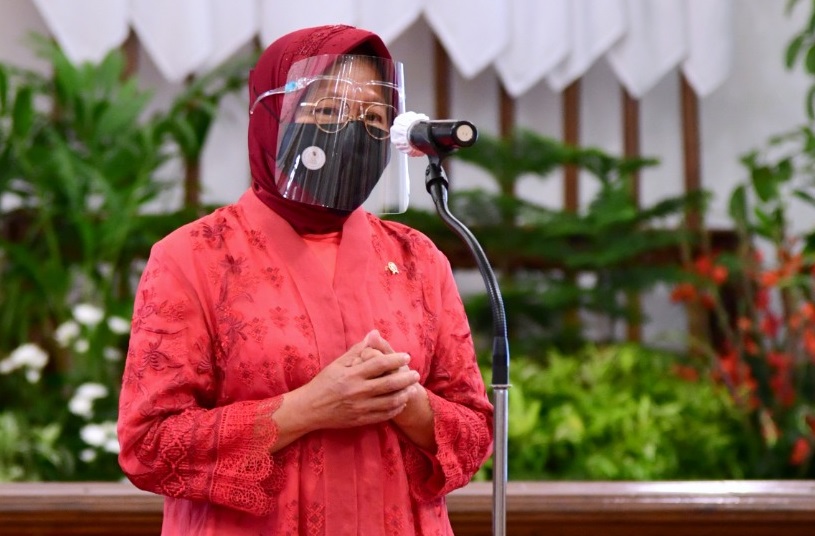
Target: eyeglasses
x,y
332,114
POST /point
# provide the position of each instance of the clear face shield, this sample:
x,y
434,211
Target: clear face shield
x,y
333,143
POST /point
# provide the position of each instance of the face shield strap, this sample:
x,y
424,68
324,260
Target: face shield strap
x,y
290,87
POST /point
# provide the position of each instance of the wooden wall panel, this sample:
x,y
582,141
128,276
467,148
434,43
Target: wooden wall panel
x,y
743,508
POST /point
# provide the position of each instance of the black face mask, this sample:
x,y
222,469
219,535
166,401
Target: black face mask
x,y
352,163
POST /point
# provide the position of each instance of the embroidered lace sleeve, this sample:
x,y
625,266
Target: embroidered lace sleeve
x,y
174,441
462,412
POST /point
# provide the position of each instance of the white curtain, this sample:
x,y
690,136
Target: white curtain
x,y
388,19
177,35
539,40
710,44
278,18
594,27
473,32
234,24
526,41
86,29
654,44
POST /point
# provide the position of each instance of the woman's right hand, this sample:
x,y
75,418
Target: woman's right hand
x,y
352,391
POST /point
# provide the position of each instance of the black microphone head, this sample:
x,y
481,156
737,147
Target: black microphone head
x,y
465,133
417,134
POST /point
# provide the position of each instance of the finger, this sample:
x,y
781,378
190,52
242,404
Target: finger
x,y
375,340
368,353
389,403
353,353
375,417
382,364
393,383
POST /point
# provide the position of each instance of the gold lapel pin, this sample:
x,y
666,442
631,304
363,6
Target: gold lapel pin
x,y
393,268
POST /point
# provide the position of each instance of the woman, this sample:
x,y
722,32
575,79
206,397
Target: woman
x,y
296,364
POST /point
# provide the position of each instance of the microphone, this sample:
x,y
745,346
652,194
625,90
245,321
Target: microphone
x,y
416,134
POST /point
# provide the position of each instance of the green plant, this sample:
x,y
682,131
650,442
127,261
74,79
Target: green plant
x,y
79,162
802,48
761,297
619,412
553,263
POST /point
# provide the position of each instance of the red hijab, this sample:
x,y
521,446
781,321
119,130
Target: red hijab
x,y
271,72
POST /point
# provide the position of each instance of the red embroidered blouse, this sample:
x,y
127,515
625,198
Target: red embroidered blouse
x,y
234,310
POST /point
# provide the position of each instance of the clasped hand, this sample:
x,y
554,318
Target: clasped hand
x,y
368,384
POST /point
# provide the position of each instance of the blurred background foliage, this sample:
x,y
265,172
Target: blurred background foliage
x,y
82,165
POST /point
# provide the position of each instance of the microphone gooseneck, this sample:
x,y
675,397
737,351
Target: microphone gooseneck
x,y
416,135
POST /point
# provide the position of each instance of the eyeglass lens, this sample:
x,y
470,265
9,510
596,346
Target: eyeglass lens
x,y
331,114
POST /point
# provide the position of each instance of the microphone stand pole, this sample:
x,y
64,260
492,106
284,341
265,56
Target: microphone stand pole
x,y
437,183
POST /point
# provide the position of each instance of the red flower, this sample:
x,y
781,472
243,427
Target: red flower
x,y
762,299
751,347
810,420
769,278
800,451
719,274
683,293
770,325
808,311
703,266
707,301
686,373
779,360
809,342
792,264
744,323
795,321
782,389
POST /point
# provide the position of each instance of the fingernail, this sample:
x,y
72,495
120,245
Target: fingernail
x,y
407,358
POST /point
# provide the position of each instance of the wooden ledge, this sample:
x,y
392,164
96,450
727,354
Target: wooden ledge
x,y
533,508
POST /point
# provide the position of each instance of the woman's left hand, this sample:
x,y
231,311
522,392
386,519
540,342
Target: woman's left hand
x,y
416,420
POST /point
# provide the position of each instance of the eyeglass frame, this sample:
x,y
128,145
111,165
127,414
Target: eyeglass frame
x,y
351,117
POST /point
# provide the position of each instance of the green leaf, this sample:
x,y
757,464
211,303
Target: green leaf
x,y
810,103
765,183
793,50
23,114
120,116
737,207
3,88
183,133
804,196
790,6
810,60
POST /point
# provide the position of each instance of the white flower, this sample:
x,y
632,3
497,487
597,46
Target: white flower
x,y
102,435
112,354
66,333
93,434
10,201
29,355
87,314
87,455
7,365
32,375
112,446
82,402
118,325
91,391
81,406
82,346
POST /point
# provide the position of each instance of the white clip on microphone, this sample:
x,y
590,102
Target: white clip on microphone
x,y
416,134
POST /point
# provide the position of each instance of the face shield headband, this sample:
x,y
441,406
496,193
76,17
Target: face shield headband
x,y
334,147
